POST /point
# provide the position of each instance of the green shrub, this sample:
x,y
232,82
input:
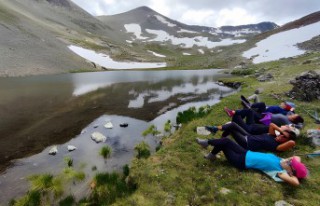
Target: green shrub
x,y
108,188
192,113
151,130
105,152
243,72
143,150
68,201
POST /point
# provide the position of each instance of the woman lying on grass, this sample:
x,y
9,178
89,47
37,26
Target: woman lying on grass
x,y
287,170
268,141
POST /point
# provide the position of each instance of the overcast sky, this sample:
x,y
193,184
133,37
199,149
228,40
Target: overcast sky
x,y
212,13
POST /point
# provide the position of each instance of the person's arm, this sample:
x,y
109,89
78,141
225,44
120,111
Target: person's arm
x,y
292,180
272,129
286,146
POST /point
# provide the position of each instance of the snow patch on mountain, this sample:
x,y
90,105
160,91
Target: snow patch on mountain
x,y
164,21
156,54
135,29
186,42
187,31
106,61
282,45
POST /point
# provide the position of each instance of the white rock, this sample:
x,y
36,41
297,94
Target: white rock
x,y
224,191
98,137
53,150
71,148
282,203
109,125
202,131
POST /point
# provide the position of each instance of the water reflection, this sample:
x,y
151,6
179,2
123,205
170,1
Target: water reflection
x,y
59,107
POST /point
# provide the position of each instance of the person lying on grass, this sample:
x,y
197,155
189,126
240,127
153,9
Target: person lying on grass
x,y
268,141
284,107
288,170
249,125
266,118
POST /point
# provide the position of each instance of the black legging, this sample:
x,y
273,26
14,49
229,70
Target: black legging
x,y
239,134
235,154
250,126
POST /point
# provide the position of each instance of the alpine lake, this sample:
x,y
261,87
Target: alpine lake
x,y
40,112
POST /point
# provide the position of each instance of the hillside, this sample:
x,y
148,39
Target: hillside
x,y
179,175
39,33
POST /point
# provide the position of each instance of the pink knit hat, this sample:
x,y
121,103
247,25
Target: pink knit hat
x,y
300,168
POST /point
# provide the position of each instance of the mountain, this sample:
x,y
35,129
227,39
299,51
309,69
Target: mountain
x,y
35,34
146,25
249,29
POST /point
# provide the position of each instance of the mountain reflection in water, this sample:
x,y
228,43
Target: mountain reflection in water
x,y
38,112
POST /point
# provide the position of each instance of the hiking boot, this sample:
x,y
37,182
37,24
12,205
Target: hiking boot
x,y
212,129
210,157
245,103
229,112
202,142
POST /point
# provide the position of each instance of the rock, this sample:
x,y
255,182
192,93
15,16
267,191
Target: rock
x,y
98,137
314,135
258,91
306,86
203,131
124,125
71,148
265,77
282,203
224,191
109,125
53,150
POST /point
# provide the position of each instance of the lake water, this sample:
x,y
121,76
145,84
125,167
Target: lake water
x,y
42,111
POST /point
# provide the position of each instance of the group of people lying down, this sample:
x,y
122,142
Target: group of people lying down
x,y
258,127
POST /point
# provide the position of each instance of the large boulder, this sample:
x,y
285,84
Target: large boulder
x,y
306,87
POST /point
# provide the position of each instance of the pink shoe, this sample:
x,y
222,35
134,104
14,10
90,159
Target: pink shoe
x,y
229,112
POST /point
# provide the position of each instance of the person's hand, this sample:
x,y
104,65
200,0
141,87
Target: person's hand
x,y
281,138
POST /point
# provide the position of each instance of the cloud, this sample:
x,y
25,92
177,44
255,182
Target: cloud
x,y
198,17
235,16
211,12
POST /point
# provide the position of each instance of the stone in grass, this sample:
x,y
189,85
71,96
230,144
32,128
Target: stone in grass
x,y
203,131
98,137
282,203
224,191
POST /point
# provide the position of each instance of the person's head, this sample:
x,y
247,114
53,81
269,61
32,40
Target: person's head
x,y
298,169
295,118
290,132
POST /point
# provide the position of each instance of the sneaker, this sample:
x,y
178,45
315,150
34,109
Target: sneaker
x,y
245,102
210,157
229,112
202,142
212,129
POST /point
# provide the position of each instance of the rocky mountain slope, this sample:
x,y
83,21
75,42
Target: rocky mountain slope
x,y
35,35
148,21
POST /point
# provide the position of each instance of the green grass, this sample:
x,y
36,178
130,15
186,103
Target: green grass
x,y
179,175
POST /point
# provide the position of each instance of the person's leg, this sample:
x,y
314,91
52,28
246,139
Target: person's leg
x,y
239,134
276,110
234,128
238,119
233,152
259,107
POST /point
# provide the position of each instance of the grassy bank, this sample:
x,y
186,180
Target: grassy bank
x,y
179,175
